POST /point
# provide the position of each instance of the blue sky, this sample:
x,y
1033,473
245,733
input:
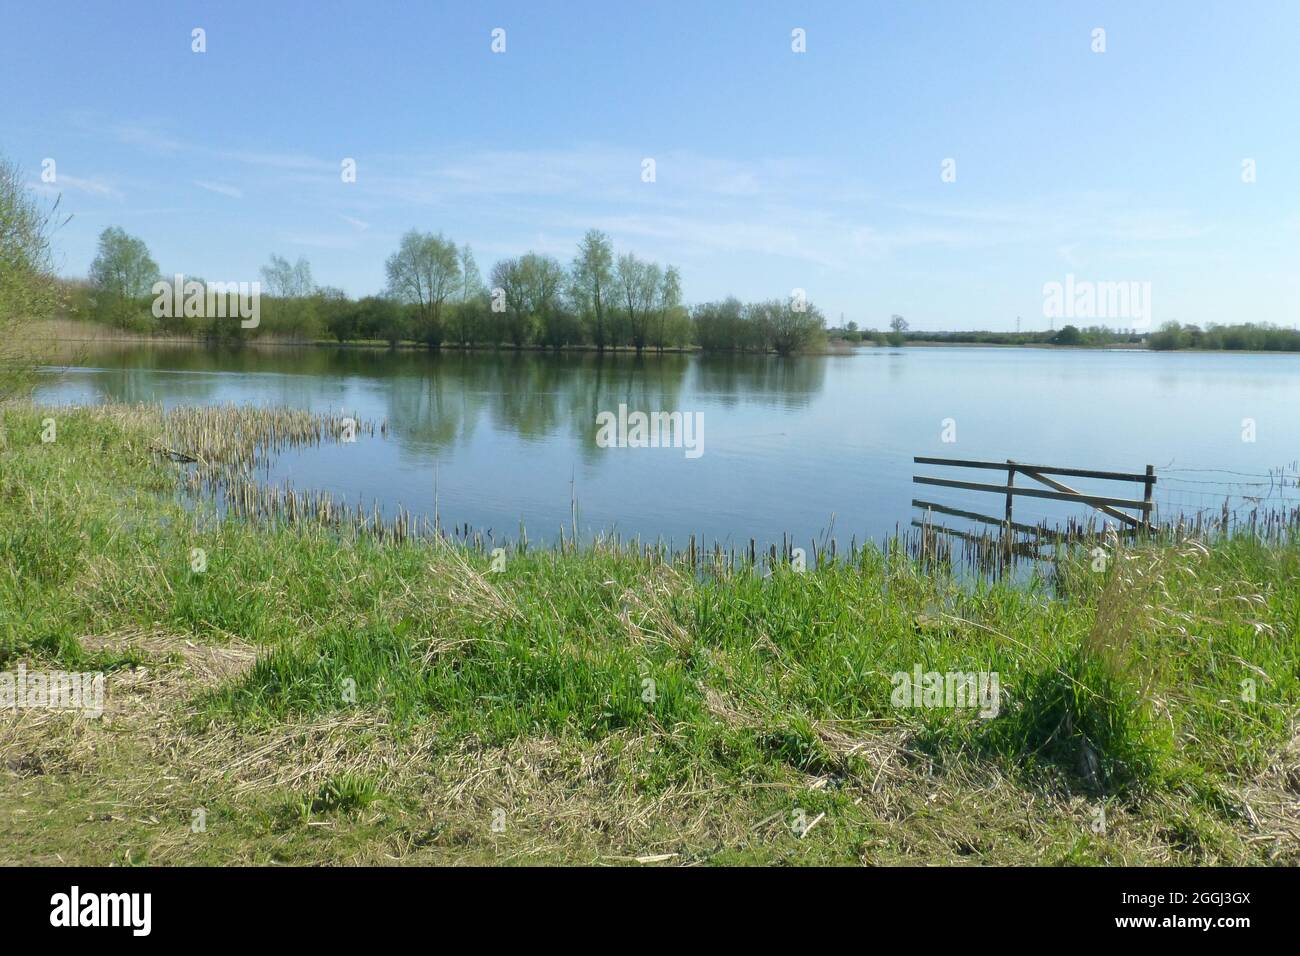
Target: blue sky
x,y
774,170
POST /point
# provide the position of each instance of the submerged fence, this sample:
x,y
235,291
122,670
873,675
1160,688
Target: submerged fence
x,y
1016,539
219,451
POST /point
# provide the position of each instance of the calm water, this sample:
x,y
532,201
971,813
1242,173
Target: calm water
x,y
787,444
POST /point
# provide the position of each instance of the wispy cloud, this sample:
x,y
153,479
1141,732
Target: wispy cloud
x,y
700,208
148,137
590,171
320,240
1064,220
221,188
64,183
287,161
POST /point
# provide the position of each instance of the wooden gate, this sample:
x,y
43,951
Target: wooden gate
x,y
1110,505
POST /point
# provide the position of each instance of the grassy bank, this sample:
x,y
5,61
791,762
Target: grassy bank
x,y
313,696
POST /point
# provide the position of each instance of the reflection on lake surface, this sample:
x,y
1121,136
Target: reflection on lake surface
x,y
504,438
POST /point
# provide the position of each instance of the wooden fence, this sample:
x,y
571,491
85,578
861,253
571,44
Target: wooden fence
x,y
1113,506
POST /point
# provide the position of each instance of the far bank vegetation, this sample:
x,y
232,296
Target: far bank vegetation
x,y
437,296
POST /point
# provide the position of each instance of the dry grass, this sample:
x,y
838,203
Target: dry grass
x,y
501,716
542,799
645,608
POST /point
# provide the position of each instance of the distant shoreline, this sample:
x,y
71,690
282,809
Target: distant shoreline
x,y
73,332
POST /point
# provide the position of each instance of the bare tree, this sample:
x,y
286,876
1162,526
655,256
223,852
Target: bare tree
x,y
285,281
293,306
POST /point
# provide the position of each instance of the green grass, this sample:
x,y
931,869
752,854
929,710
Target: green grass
x,y
664,710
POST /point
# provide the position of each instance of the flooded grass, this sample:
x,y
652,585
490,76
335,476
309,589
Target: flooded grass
x,y
229,448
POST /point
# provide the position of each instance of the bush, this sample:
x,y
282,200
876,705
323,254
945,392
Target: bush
x,y
27,288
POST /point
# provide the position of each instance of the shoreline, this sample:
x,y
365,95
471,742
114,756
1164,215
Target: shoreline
x,y
425,702
837,347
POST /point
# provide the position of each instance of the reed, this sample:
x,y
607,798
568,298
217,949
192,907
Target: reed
x,y
233,444
220,451
524,688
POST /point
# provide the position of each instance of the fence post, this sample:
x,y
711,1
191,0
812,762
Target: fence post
x,y
1007,535
1146,496
1011,480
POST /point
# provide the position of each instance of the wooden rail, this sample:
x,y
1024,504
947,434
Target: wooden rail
x,y
1041,469
1055,491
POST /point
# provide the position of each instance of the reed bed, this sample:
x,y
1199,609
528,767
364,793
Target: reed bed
x,y
220,450
991,554
614,704
224,440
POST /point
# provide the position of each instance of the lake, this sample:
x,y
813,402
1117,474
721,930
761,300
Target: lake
x,y
786,445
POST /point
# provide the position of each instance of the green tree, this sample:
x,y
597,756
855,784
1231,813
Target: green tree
x,y
382,319
425,272
292,309
27,287
592,279
1069,335
543,280
791,330
468,318
898,330
638,289
123,274
339,315
666,316
509,295
720,326
1169,337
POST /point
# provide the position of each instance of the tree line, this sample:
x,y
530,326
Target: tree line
x,y
1241,336
436,296
1245,336
1069,335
